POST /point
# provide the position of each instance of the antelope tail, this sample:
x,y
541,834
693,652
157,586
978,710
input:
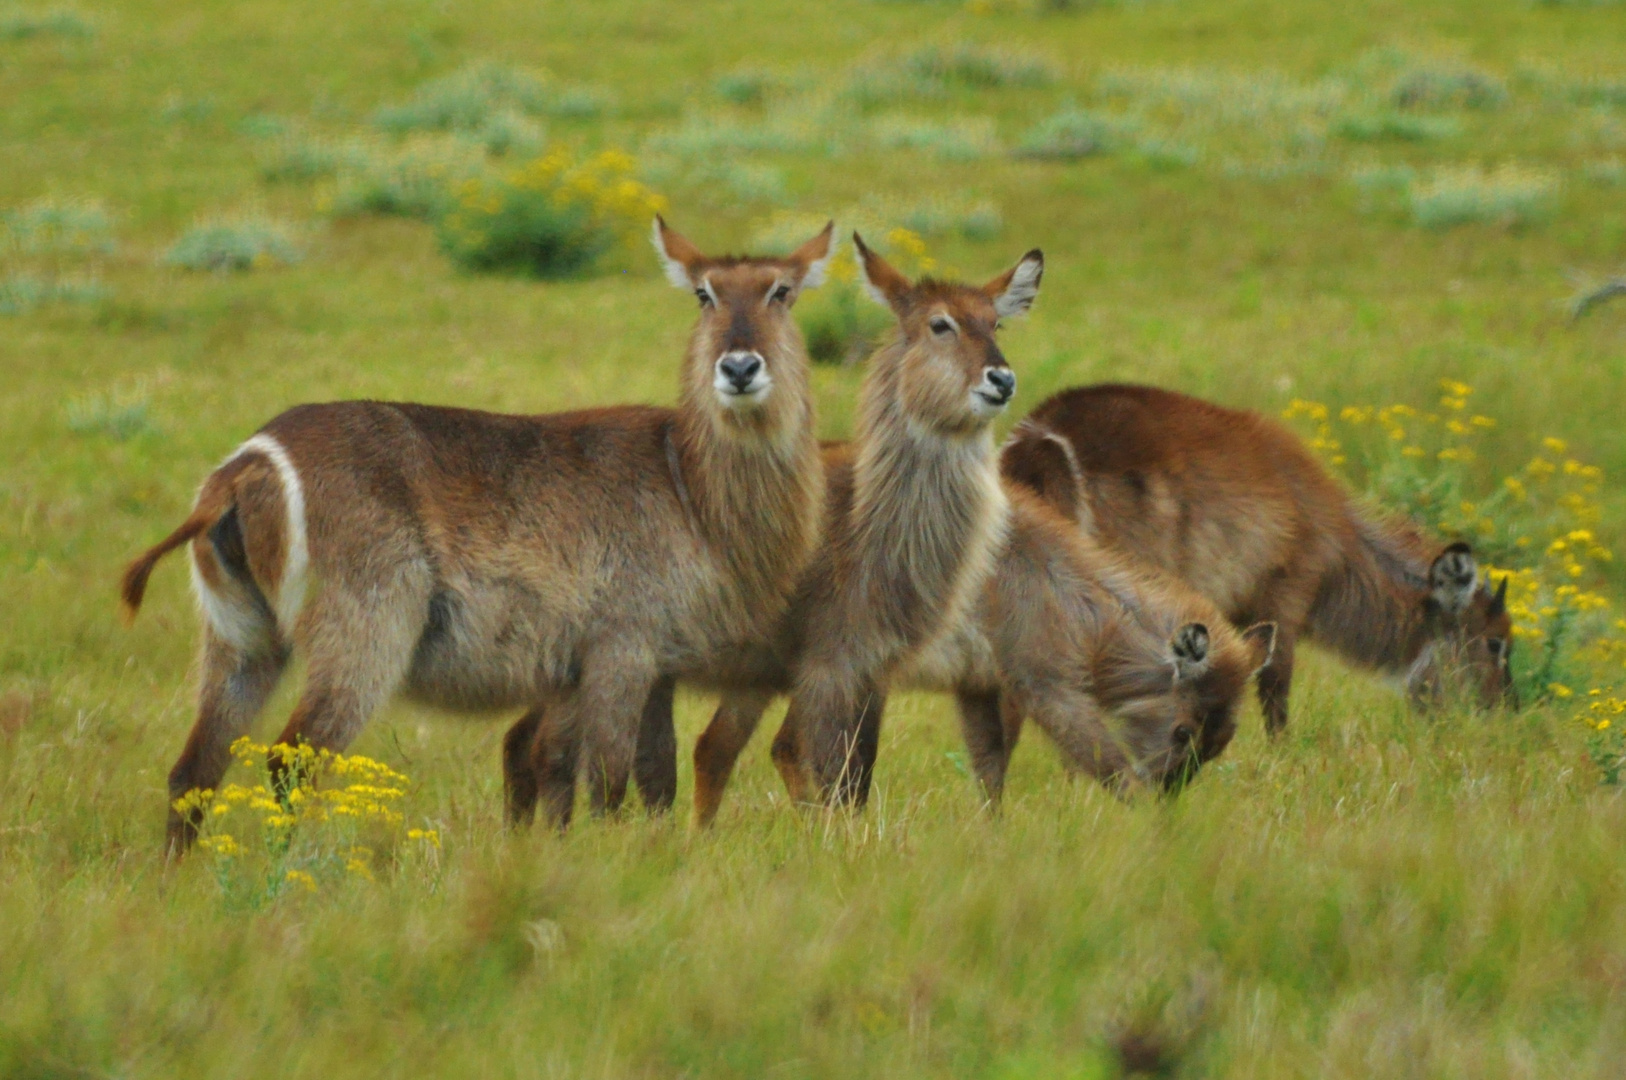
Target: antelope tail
x,y
133,588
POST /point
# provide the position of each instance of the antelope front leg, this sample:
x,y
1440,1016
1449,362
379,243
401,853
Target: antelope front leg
x,y
1273,683
982,724
835,718
719,747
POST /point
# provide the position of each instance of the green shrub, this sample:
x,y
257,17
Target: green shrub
x,y
23,292
747,86
467,100
932,215
120,416
551,217
510,133
1404,80
1211,97
933,71
233,244
1607,172
978,67
301,158
58,227
17,24
959,139
1405,127
1599,91
1507,195
1071,134
414,180
1167,153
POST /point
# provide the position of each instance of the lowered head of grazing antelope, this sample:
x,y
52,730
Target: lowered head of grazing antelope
x,y
1470,637
950,376
747,367
1178,708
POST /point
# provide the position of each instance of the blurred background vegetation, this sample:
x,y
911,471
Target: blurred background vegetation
x,y
1354,213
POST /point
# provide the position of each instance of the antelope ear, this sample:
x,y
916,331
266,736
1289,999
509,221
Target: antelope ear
x,y
812,259
883,283
1498,602
1260,638
678,256
1453,578
1013,291
1189,647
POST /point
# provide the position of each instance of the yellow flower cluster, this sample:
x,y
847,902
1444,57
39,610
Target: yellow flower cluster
x,y
1601,713
326,791
1542,519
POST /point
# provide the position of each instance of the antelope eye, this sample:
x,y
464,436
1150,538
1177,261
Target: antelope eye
x,y
704,297
941,325
781,294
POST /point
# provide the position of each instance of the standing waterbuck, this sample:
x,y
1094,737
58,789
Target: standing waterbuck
x,y
478,562
1234,504
910,547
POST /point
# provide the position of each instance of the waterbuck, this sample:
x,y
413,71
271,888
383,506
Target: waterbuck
x,y
1233,503
907,531
1133,676
478,562
907,551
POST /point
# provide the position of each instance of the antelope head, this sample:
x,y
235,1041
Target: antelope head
x,y
952,378
747,365
1471,635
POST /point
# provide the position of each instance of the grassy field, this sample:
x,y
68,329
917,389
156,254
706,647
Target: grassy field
x,y
1259,202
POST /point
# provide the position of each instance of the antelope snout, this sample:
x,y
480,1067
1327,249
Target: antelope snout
x,y
996,388
740,375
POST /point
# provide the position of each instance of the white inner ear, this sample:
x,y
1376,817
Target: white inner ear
x,y
1019,294
816,270
676,272
1450,592
874,293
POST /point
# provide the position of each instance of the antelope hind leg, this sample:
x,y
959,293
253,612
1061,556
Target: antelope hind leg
x,y
233,689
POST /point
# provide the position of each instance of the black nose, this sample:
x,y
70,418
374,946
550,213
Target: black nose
x,y
1003,380
740,370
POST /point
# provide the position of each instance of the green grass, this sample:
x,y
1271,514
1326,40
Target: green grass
x,y
1380,895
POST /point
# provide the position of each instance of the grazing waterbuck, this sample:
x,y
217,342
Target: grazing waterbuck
x,y
477,561
1132,675
1233,503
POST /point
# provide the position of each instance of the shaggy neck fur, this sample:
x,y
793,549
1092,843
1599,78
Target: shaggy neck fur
x,y
755,485
928,511
1370,607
